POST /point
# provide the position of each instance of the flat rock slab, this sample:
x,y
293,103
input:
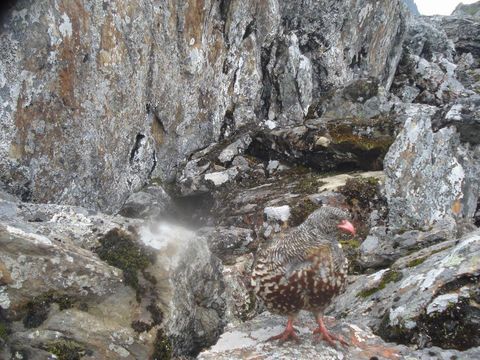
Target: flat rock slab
x,y
248,341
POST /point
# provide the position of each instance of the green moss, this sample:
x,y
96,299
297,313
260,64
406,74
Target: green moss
x,y
307,185
362,196
397,333
4,331
65,349
351,243
416,262
388,277
118,248
38,308
162,348
344,134
360,191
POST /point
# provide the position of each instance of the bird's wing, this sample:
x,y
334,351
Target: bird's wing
x,y
311,259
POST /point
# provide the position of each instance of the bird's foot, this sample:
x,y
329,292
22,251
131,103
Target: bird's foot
x,y
328,336
287,334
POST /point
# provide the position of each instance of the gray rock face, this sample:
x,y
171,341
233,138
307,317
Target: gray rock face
x,y
52,284
381,248
470,10
412,7
190,286
429,176
421,297
151,202
99,97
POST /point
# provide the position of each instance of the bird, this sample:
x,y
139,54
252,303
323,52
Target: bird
x,y
304,268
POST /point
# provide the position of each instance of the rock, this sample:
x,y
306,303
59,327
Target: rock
x,y
150,274
42,256
333,183
464,114
247,340
381,248
189,285
185,76
429,176
236,148
241,304
472,10
464,33
412,7
151,202
406,302
428,71
229,243
329,144
277,213
221,177
56,297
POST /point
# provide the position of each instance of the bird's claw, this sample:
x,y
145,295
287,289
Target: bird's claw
x,y
329,337
288,334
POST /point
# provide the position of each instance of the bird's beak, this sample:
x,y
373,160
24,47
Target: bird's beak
x,y
347,226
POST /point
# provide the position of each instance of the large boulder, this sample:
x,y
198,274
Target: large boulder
x,y
427,298
430,176
63,269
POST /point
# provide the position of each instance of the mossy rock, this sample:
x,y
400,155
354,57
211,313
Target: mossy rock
x,y
162,348
362,195
350,247
38,308
388,277
120,249
416,262
360,191
345,134
398,333
300,211
4,333
65,349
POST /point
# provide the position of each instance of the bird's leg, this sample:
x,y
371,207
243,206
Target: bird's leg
x,y
288,333
325,334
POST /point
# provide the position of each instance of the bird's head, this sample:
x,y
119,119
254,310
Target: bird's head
x,y
329,220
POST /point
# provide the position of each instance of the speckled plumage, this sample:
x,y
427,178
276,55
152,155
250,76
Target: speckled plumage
x,y
303,268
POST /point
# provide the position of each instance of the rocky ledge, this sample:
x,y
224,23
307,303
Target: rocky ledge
x,y
249,341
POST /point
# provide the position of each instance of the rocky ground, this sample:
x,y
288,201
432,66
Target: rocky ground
x,y
144,249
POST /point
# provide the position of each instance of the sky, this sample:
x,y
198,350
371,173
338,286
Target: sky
x,y
439,7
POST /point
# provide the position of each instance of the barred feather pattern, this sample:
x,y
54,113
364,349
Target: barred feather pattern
x,y
304,268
